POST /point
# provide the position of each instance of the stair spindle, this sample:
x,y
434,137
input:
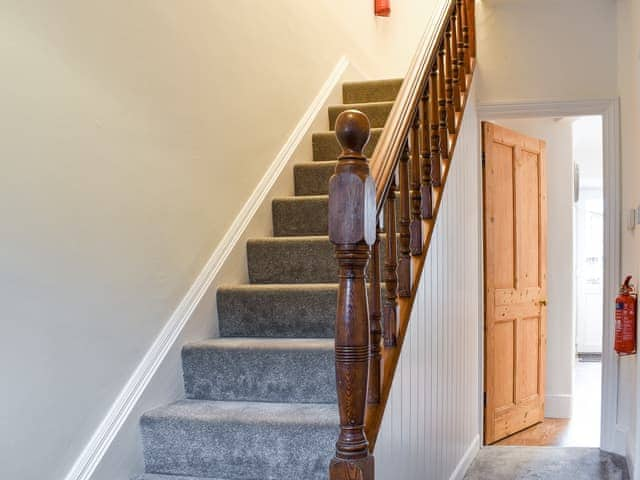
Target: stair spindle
x,y
471,20
404,260
455,69
352,229
465,38
451,116
415,228
425,155
434,121
442,105
375,320
462,77
390,270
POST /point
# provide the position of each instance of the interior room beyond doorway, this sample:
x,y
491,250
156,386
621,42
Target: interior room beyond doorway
x,y
573,373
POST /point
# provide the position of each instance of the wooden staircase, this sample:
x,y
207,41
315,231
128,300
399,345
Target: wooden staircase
x,y
410,165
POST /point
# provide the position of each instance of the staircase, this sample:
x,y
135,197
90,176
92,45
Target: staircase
x,y
261,399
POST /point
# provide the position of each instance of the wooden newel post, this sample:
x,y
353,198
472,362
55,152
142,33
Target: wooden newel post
x,y
352,229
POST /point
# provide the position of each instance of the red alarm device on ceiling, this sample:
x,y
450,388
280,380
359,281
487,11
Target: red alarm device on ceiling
x,y
382,7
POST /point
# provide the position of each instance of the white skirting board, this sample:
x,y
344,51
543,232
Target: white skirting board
x,y
558,406
121,410
465,461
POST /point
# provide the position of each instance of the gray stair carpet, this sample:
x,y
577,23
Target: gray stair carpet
x,y
261,399
546,463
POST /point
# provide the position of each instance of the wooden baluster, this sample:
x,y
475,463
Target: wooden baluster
x,y
434,121
426,190
352,229
465,37
462,76
390,270
404,260
375,321
442,105
455,69
451,116
415,228
471,21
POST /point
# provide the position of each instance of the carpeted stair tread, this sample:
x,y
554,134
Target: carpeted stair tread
x,y
371,90
278,310
240,440
326,147
297,370
312,178
291,260
300,216
376,111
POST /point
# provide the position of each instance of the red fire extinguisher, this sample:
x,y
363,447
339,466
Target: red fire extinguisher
x,y
626,307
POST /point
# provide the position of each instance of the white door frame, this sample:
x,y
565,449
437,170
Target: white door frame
x,y
612,435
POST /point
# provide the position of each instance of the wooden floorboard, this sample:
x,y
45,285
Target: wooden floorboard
x,y
582,430
552,432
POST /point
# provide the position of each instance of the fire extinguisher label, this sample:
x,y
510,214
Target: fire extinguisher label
x,y
625,334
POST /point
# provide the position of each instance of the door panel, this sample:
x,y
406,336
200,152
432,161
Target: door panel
x,y
515,280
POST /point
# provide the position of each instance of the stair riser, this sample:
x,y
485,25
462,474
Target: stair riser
x,y
300,216
303,376
237,451
326,146
377,113
313,179
277,313
371,91
291,262
304,216
311,261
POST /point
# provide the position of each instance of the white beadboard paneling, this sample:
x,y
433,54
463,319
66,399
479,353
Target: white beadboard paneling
x,y
431,427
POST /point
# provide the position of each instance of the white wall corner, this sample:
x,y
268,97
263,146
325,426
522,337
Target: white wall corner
x,y
630,456
128,400
466,460
558,405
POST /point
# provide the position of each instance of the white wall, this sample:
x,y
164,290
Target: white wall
x,y
546,49
431,427
560,318
587,150
132,134
628,84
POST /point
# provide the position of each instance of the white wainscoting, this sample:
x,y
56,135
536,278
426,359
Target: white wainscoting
x,y
431,428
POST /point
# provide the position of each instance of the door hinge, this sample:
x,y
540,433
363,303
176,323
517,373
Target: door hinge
x,y
485,399
483,159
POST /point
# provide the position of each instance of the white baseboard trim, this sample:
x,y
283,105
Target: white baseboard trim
x,y
94,451
558,406
467,458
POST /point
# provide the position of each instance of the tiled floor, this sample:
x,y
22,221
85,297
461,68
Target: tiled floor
x,y
546,463
583,429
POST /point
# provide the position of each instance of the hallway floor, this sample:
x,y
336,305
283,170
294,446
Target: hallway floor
x,y
546,463
583,429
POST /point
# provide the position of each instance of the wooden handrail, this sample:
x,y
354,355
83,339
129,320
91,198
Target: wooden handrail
x,y
410,165
385,157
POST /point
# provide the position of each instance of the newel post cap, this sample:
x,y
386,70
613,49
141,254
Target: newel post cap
x,y
353,131
352,191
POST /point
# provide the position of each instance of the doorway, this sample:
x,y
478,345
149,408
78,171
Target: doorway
x,y
590,271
